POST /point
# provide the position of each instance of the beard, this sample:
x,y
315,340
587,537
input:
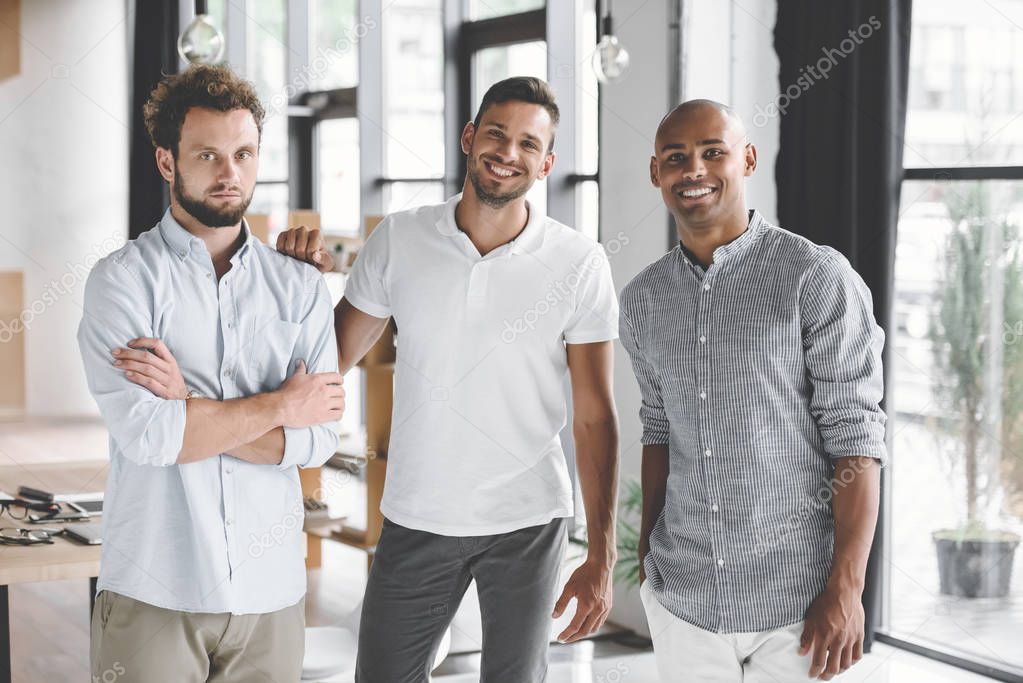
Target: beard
x,y
494,200
207,214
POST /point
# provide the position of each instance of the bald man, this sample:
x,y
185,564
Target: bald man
x,y
759,363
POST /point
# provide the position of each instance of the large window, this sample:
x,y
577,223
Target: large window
x,y
334,33
487,9
266,65
334,28
338,176
413,95
956,497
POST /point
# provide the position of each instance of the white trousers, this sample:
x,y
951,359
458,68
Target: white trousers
x,y
687,653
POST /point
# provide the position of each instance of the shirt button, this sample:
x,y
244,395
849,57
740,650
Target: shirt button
x,y
703,340
721,562
714,507
228,470
707,453
209,275
230,326
227,373
229,521
703,395
706,287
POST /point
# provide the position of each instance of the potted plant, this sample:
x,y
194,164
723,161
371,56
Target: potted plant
x,y
977,274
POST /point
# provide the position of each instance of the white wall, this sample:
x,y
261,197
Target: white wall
x,y
744,76
730,58
63,179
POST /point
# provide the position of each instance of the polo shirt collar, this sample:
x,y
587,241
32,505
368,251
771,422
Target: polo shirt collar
x,y
527,240
182,242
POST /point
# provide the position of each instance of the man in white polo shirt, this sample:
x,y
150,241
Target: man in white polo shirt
x,y
494,302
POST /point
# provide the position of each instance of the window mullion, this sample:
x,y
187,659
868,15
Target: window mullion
x,y
370,109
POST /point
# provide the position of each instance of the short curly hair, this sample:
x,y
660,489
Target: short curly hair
x,y
212,86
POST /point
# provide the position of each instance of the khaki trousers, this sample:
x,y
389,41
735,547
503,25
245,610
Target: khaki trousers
x,y
136,642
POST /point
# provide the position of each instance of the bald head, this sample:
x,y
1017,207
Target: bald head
x,y
700,162
702,109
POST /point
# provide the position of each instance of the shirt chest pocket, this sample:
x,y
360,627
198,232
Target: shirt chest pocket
x,y
271,351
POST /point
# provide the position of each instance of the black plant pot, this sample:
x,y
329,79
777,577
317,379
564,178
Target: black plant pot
x,y
975,568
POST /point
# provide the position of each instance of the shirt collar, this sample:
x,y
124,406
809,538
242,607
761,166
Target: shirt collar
x,y
743,241
183,242
177,238
244,252
736,246
530,237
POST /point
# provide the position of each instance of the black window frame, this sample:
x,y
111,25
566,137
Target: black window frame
x,y
979,665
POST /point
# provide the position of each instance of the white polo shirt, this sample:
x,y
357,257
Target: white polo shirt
x,y
480,380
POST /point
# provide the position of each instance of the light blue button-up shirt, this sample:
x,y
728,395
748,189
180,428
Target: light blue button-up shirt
x,y
221,534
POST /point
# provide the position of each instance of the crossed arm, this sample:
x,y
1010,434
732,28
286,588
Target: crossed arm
x,y
158,427
250,428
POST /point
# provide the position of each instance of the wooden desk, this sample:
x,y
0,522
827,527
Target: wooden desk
x,y
62,560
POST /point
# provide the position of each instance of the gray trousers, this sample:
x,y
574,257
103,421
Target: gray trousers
x,y
417,582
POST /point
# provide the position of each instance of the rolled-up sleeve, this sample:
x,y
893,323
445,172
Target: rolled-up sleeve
x,y
651,409
842,346
147,430
317,346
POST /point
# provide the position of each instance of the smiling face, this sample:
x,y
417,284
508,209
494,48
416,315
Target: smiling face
x,y
508,152
213,175
701,159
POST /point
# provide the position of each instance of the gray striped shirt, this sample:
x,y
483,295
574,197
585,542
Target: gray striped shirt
x,y
756,373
